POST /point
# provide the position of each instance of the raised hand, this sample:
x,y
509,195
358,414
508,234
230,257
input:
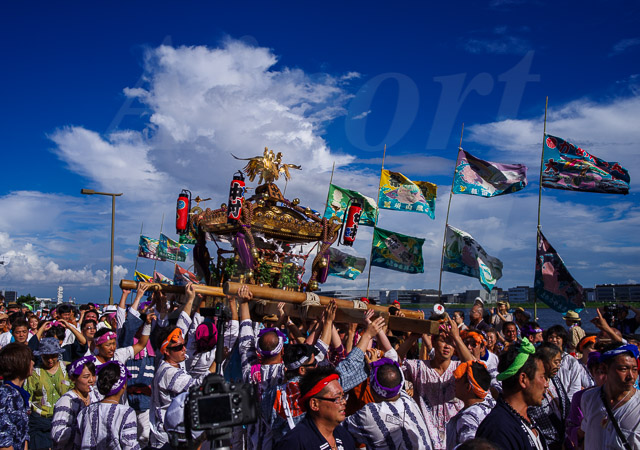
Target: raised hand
x,y
244,294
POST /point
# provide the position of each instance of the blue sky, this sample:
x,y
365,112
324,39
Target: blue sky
x,y
152,97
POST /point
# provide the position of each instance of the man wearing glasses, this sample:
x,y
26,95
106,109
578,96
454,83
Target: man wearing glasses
x,y
324,401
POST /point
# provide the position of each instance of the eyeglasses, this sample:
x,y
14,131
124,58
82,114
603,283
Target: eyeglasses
x,y
337,400
176,348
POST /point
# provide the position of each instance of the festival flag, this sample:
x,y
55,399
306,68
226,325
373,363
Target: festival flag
x,y
396,251
338,200
182,276
344,265
475,176
572,168
553,283
159,278
148,248
171,250
139,276
464,256
400,193
187,238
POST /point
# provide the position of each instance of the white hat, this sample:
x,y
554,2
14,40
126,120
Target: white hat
x,y
478,299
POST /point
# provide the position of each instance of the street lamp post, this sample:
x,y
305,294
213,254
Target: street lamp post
x,y
113,219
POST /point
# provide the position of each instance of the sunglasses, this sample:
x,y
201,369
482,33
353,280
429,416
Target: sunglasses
x,y
176,348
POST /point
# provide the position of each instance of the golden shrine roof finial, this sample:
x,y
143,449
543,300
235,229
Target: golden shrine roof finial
x,y
268,166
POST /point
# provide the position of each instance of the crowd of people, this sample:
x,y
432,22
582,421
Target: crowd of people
x,y
118,378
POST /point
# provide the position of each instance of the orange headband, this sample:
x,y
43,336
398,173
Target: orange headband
x,y
173,336
316,389
465,368
585,341
476,337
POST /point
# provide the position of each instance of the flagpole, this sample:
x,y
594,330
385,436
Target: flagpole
x,y
384,153
330,183
544,136
156,261
138,253
446,223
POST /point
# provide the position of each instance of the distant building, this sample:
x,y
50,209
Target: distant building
x,y
385,297
521,294
606,293
10,296
488,297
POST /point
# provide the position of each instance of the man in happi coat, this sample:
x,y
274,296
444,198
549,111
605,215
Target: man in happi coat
x,y
393,420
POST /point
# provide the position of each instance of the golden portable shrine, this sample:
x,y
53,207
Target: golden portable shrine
x,y
265,230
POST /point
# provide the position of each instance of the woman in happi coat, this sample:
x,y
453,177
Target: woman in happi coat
x,y
107,424
82,373
47,383
16,364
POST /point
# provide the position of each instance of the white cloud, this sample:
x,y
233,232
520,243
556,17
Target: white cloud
x,y
362,115
624,45
24,265
204,103
500,40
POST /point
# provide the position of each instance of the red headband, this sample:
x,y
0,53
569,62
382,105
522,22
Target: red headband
x,y
316,389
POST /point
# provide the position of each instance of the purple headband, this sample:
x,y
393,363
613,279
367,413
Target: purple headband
x,y
76,367
124,375
281,338
593,358
143,305
383,391
529,330
105,337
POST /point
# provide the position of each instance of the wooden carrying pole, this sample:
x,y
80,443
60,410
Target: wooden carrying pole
x,y
212,291
278,295
260,309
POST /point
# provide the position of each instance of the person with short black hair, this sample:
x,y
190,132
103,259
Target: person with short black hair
x,y
523,384
16,365
473,381
20,331
611,418
510,333
108,425
393,420
324,401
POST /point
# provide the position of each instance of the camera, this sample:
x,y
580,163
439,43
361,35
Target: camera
x,y
217,403
610,313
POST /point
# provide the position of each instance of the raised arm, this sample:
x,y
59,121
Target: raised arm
x,y
146,331
79,336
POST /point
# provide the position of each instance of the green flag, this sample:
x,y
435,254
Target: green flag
x,y
337,202
396,251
